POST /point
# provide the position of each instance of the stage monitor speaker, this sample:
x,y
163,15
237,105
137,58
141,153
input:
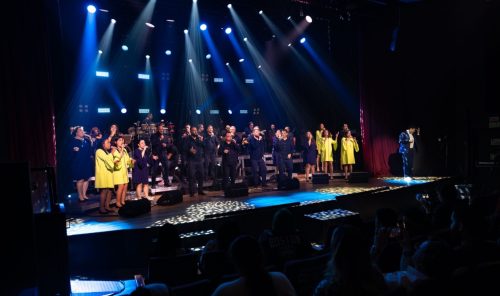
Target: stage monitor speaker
x,y
320,178
236,190
134,208
288,184
359,177
170,197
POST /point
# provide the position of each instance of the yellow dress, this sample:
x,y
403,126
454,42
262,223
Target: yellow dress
x,y
104,168
319,137
326,151
347,151
120,172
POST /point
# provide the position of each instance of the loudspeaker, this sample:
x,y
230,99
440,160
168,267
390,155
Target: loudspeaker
x,y
320,178
359,177
170,197
288,184
236,190
133,208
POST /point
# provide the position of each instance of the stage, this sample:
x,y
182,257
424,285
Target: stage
x,y
197,209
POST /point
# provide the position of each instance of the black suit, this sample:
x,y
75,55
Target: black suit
x,y
229,161
194,161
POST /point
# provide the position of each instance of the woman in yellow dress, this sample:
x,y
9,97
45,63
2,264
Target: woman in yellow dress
x,y
120,173
328,145
104,167
319,139
349,145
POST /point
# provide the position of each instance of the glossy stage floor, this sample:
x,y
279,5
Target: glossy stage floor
x,y
358,198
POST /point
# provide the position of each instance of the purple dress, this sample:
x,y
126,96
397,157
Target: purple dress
x,y
310,153
140,173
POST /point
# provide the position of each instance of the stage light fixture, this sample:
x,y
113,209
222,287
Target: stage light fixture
x,y
190,60
228,30
99,51
147,56
241,60
309,19
303,39
123,110
289,44
101,73
150,25
203,27
208,56
113,21
289,18
229,111
168,52
227,64
229,6
245,39
198,111
163,111
124,47
261,12
186,31
91,9
194,1
259,66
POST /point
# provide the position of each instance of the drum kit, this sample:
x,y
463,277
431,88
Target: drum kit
x,y
142,131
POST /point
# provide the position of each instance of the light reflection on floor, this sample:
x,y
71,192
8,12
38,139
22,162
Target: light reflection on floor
x,y
407,182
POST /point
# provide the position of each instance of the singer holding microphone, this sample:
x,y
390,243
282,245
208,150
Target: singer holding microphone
x,y
256,147
347,149
229,151
81,161
140,172
193,149
120,173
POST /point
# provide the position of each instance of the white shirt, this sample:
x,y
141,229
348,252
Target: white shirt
x,y
412,140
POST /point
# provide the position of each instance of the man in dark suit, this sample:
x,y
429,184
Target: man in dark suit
x,y
407,148
229,151
193,149
256,146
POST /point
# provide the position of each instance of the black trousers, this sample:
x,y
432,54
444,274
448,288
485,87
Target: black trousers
x,y
229,170
165,169
408,162
195,174
286,164
210,166
259,170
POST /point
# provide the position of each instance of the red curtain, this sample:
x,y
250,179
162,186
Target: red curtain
x,y
27,88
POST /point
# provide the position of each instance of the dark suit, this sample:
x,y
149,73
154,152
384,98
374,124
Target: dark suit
x,y
407,152
256,150
229,161
194,163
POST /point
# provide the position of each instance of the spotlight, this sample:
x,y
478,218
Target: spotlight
x,y
186,31
228,30
91,9
245,39
147,56
309,19
113,21
99,51
150,25
227,64
261,12
203,27
208,56
289,18
198,111
303,39
168,52
229,111
229,6
289,44
241,60
124,47
123,110
163,111
194,1
259,66
190,60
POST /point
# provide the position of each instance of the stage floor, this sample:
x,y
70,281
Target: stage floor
x,y
199,208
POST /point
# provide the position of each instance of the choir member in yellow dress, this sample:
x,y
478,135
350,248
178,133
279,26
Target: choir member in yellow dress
x,y
319,139
120,173
328,145
349,146
104,167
